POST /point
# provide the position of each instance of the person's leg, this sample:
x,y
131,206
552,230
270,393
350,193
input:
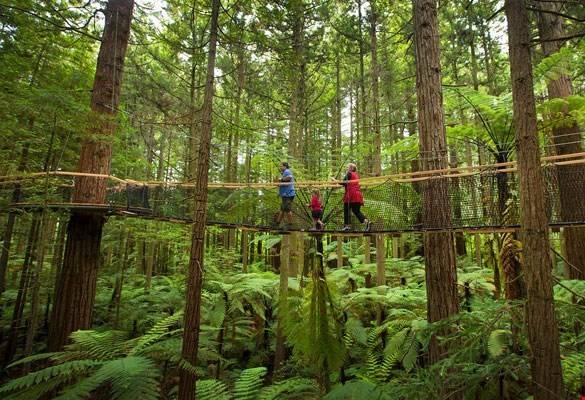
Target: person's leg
x,y
356,208
287,209
346,214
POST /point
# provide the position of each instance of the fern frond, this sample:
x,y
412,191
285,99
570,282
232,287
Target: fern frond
x,y
99,345
212,389
574,370
498,342
249,383
66,370
291,389
159,331
130,378
33,358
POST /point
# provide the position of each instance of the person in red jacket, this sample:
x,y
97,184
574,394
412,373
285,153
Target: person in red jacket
x,y
317,209
353,199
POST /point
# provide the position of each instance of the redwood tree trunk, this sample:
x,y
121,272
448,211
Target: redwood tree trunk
x,y
567,139
75,291
441,273
195,273
377,139
541,323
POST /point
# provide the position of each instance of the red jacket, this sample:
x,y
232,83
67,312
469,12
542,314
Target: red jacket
x,y
353,193
316,204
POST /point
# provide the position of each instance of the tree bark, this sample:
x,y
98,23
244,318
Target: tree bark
x,y
9,228
377,142
441,273
280,347
33,319
23,285
339,250
541,323
187,379
297,105
567,139
245,251
75,291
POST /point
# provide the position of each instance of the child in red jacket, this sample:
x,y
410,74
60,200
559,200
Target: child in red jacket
x,y
317,209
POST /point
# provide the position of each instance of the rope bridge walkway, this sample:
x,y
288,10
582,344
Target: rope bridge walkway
x,y
482,198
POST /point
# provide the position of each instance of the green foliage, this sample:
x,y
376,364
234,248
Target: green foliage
x,y
291,389
357,390
249,383
574,371
210,389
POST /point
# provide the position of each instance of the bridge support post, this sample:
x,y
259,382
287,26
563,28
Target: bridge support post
x,y
280,349
339,251
380,273
380,261
245,247
367,250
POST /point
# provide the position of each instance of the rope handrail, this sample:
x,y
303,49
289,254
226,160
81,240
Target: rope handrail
x,y
405,177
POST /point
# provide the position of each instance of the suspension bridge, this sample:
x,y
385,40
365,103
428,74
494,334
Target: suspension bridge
x,y
483,198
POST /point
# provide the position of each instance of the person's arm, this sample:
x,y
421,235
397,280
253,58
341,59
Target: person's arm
x,y
287,176
346,179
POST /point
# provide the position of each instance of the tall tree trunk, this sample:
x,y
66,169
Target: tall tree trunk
x,y
280,347
543,335
9,227
336,143
297,105
380,273
441,273
193,142
377,139
460,248
567,139
195,273
363,138
75,291
23,285
33,319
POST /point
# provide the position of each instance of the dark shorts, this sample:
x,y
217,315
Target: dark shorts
x,y
317,214
286,205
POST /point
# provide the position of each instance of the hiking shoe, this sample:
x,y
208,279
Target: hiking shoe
x,y
368,225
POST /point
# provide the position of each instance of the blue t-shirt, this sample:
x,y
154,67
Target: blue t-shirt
x,y
287,190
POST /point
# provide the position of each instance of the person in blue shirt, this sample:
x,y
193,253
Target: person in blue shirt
x,y
286,193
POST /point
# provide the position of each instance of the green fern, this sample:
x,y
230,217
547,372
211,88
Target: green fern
x,y
212,389
291,389
98,345
574,371
498,342
130,378
65,371
159,331
249,383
